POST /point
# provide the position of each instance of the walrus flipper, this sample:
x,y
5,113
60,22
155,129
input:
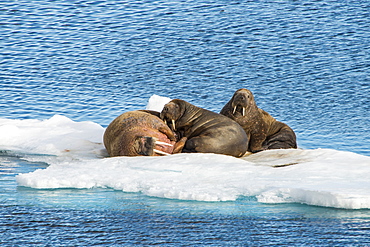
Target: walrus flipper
x,y
179,146
285,138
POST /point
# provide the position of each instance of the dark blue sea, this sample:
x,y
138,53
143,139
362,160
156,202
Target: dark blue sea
x,y
306,62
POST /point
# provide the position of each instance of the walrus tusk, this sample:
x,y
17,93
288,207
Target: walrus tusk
x,y
160,152
173,124
163,143
165,121
243,110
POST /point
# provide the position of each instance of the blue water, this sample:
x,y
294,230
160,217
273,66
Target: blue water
x,y
307,63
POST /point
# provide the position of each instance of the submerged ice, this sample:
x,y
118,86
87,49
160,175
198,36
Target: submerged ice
x,y
75,155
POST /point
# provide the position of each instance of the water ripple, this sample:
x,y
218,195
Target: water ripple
x,y
307,63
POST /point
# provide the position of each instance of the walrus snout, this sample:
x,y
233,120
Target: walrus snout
x,y
170,113
144,145
240,104
149,146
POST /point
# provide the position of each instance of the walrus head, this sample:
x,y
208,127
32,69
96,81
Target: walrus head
x,y
171,112
139,132
242,101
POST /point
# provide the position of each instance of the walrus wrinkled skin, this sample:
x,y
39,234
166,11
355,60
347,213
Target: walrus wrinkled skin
x,y
203,131
139,133
264,132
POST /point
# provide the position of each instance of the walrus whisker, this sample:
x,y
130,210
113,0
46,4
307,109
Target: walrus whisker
x,y
160,152
173,124
163,143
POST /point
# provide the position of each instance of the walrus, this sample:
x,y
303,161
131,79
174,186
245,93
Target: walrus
x,y
264,131
204,131
139,133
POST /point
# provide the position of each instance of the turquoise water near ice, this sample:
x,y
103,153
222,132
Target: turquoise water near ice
x,y
307,63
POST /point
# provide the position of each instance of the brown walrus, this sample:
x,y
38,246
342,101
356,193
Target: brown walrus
x,y
264,131
203,131
139,133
